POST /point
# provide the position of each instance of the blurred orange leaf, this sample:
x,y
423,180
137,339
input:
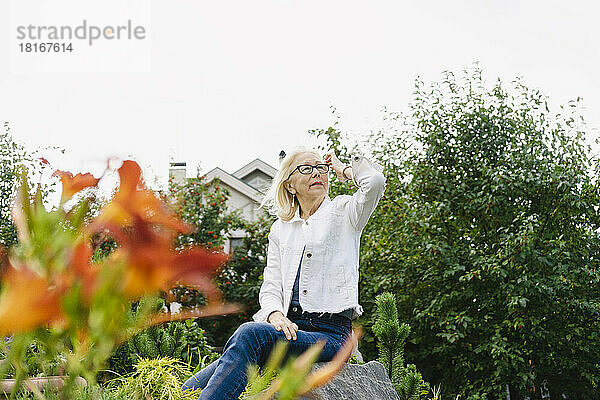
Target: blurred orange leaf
x,y
151,263
133,199
73,184
209,310
81,270
27,302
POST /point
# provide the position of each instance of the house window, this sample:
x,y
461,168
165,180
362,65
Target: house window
x,y
233,243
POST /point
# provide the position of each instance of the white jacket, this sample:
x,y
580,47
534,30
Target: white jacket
x,y
329,273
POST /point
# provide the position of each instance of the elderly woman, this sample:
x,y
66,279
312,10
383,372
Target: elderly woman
x,y
310,287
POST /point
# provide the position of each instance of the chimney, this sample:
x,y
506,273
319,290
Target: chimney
x,y
177,172
281,156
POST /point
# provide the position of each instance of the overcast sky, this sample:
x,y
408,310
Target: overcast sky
x,y
221,83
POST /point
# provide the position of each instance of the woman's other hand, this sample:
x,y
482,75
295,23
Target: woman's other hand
x,y
281,323
335,163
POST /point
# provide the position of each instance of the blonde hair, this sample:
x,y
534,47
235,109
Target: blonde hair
x,y
278,200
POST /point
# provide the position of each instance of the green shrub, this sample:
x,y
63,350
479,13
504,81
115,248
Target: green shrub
x,y
38,360
183,341
157,379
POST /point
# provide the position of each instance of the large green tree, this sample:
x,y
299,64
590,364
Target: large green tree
x,y
488,236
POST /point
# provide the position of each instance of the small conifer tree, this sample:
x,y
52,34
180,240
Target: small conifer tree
x,y
391,336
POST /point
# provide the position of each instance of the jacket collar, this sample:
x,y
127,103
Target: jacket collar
x,y
296,217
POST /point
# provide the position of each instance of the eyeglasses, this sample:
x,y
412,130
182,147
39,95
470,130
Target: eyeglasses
x,y
307,169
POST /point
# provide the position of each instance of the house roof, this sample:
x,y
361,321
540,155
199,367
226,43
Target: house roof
x,y
235,180
256,164
234,183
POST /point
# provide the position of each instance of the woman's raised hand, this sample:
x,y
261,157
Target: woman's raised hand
x,y
335,163
281,323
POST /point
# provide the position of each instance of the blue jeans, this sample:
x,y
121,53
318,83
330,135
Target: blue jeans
x,y
252,343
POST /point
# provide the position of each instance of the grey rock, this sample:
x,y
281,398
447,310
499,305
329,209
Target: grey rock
x,y
357,382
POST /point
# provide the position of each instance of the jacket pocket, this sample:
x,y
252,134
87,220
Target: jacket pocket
x,y
337,279
331,230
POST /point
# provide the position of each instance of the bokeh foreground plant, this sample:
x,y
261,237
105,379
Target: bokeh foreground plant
x,y
79,309
297,377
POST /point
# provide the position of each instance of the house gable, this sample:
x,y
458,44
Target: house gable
x,y
252,167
